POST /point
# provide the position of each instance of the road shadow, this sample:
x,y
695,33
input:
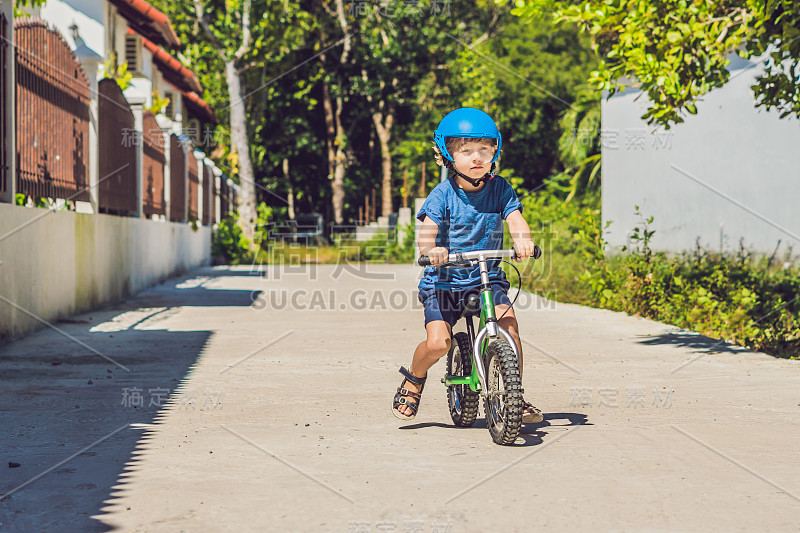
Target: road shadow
x,y
531,434
693,341
78,402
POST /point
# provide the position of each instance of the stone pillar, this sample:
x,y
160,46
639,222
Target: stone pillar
x,y
186,154
403,220
201,197
207,207
91,65
8,100
166,125
136,100
218,184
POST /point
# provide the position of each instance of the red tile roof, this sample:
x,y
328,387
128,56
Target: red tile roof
x,y
172,69
148,22
199,107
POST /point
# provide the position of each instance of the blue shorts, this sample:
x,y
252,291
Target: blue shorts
x,y
447,305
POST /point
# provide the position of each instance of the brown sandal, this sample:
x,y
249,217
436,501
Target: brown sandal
x,y
403,394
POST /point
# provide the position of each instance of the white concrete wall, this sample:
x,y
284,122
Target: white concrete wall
x,y
732,171
86,14
57,263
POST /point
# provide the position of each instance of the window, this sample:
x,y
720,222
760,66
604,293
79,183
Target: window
x,y
169,109
133,52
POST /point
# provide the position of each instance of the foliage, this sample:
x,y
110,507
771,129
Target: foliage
x,y
21,7
476,53
265,215
159,103
229,242
578,148
525,74
568,235
677,50
118,72
740,298
22,199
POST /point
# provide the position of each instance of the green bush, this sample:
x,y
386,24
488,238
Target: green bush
x,y
229,242
742,298
567,234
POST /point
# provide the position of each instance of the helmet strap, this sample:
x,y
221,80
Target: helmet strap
x,y
474,182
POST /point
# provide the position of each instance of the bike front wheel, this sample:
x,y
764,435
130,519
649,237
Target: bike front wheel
x,y
462,400
503,404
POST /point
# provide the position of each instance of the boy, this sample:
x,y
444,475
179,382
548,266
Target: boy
x,y
463,213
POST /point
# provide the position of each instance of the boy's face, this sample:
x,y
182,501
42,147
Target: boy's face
x,y
473,158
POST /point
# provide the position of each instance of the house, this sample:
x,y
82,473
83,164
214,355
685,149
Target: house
x,y
727,175
136,33
131,200
101,35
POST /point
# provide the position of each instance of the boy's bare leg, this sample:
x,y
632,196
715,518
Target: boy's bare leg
x,y
509,323
427,353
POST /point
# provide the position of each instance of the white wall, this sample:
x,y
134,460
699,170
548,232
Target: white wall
x,y
732,171
86,14
57,263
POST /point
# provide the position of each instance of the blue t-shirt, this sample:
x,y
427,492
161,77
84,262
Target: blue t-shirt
x,y
467,221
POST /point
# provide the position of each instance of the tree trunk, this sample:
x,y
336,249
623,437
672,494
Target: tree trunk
x,y
336,157
383,126
287,178
239,139
405,187
333,120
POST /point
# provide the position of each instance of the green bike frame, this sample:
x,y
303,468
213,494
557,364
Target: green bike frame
x,y
488,328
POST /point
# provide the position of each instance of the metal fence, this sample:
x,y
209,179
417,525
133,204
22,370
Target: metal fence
x,y
52,109
193,187
177,180
153,163
208,195
117,143
4,104
224,198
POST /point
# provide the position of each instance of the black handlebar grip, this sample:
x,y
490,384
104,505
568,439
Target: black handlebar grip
x,y
537,252
424,261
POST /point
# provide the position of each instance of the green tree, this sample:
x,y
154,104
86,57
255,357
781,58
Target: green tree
x,y
526,74
677,50
230,39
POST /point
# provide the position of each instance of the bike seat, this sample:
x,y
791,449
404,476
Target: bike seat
x,y
472,306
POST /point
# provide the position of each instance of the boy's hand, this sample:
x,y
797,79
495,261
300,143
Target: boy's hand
x,y
438,255
524,249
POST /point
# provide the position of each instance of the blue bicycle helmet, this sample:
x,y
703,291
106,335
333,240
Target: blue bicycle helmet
x,y
466,122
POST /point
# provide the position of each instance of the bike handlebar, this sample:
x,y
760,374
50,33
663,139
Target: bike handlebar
x,y
457,257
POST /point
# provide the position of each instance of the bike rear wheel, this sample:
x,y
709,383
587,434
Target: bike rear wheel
x,y
462,400
503,404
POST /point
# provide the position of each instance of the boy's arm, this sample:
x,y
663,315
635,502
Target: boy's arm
x,y
427,242
521,234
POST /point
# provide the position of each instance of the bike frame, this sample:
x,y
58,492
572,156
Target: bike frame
x,y
488,328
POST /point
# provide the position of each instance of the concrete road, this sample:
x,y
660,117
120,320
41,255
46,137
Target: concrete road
x,y
227,401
